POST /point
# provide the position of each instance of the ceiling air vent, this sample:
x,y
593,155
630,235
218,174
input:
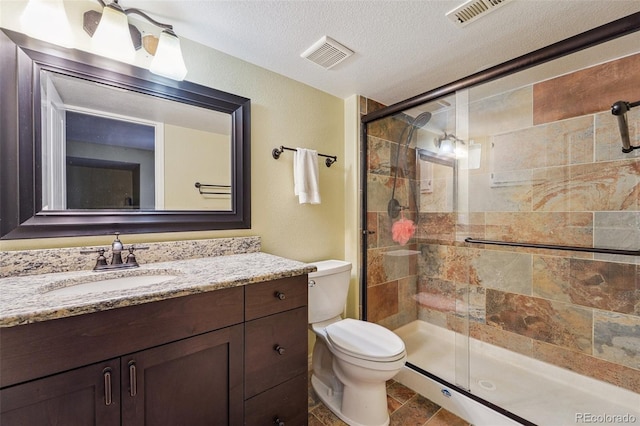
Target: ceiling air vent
x,y
472,10
327,52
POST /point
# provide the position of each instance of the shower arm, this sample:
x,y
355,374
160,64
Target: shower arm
x,y
619,109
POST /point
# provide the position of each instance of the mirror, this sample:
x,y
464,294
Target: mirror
x,y
108,148
114,148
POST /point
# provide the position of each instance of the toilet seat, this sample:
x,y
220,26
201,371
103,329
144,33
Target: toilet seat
x,y
365,340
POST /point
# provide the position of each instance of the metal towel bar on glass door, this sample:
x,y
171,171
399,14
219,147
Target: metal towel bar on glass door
x,y
554,247
277,151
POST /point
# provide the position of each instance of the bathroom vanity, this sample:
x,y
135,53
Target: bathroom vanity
x,y
224,340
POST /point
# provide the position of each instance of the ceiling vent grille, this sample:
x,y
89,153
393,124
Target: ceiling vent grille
x,y
327,52
472,10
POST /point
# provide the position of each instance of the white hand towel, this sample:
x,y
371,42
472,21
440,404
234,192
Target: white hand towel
x,y
305,176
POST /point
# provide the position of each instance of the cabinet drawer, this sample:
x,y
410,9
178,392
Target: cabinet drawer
x,y
271,297
286,402
265,366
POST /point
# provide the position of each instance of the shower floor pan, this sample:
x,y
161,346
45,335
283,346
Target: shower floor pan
x,y
533,390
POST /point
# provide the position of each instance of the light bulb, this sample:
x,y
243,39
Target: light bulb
x,y
112,37
447,147
47,20
168,61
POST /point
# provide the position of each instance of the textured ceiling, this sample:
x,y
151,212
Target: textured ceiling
x,y
402,48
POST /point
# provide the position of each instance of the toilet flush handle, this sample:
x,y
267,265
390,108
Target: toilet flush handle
x,y
312,283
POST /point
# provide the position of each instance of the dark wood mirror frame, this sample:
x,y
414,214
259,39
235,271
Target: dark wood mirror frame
x,y
21,215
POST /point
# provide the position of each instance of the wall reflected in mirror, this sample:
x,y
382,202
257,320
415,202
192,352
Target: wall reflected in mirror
x,y
109,148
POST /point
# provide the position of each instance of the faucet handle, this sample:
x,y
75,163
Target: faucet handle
x,y
131,258
101,261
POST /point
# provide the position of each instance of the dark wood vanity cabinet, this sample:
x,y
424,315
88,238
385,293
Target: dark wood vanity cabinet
x,y
227,357
275,355
170,362
189,382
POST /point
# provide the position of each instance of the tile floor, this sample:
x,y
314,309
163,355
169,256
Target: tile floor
x,y
406,408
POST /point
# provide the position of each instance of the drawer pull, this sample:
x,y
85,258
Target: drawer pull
x,y
133,383
107,386
279,349
278,422
280,295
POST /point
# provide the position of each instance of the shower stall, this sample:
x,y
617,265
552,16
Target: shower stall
x,y
502,235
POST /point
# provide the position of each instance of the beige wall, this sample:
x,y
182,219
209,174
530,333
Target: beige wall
x,y
195,156
283,112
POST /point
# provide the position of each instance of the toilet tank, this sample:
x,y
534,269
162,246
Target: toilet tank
x,y
328,288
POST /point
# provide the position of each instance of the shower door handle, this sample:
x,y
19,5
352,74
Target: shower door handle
x,y
368,232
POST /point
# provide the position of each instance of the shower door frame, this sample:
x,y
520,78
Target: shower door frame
x,y
615,29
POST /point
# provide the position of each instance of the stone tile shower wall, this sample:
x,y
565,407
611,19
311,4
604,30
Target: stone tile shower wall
x,y
391,274
556,178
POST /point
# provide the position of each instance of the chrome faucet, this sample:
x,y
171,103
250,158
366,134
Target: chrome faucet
x,y
116,256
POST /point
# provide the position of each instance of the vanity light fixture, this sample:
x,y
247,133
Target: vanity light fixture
x,y
447,144
113,36
47,20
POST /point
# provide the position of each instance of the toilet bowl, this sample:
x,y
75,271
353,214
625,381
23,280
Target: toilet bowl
x,y
352,359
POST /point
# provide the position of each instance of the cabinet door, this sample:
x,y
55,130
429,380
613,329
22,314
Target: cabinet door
x,y
84,396
195,381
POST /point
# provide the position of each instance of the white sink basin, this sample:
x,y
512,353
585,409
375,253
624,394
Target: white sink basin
x,y
113,284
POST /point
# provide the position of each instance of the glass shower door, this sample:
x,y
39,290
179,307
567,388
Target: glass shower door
x,y
416,273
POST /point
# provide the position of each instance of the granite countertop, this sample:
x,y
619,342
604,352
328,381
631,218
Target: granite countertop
x,y
28,299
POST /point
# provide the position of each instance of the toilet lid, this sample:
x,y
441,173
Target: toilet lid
x,y
365,340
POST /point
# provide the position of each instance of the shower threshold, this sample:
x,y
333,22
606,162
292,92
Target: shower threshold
x,y
539,392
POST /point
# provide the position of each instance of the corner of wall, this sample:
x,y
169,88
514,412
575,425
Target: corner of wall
x,y
352,200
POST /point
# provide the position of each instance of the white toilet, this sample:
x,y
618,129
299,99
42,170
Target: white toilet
x,y
352,360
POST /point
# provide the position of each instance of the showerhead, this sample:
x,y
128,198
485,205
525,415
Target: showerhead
x,y
422,119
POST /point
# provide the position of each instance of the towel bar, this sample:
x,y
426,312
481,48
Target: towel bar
x,y
277,151
200,187
554,247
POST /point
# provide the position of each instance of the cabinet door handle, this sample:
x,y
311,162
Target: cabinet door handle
x,y
280,295
107,386
133,383
278,422
279,349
